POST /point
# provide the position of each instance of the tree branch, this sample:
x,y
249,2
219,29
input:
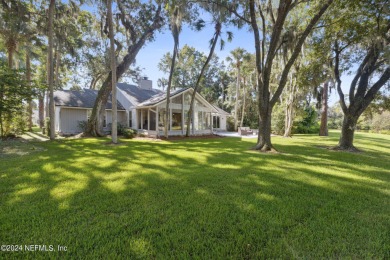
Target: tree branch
x,y
271,12
357,76
374,89
337,76
297,50
257,39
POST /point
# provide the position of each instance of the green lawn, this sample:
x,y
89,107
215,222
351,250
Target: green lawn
x,y
205,198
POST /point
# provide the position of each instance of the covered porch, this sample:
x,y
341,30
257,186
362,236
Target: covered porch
x,y
151,119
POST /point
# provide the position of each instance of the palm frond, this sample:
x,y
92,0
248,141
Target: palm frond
x,y
199,24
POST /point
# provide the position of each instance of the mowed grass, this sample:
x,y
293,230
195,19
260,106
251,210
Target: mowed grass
x,y
202,199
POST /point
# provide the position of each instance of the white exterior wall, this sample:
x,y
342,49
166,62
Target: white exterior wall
x,y
222,122
121,117
108,117
57,111
123,99
134,119
69,118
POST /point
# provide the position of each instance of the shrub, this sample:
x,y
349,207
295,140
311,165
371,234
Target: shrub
x,y
381,122
121,129
335,117
309,123
278,120
47,126
230,123
82,125
129,133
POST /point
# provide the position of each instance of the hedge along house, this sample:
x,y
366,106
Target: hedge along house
x,y
74,107
142,108
147,107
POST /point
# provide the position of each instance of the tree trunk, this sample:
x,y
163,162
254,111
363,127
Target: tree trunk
x,y
51,70
114,130
223,94
30,102
243,105
10,57
289,116
218,27
95,127
57,55
288,120
264,136
95,81
237,96
41,110
167,110
324,110
264,70
1,114
347,133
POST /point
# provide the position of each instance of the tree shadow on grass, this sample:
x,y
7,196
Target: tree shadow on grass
x,y
197,199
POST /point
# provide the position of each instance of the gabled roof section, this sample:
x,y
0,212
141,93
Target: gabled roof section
x,y
160,97
221,111
84,98
156,100
137,94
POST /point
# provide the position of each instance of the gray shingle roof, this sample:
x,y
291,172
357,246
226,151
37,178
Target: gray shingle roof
x,y
83,98
140,95
160,97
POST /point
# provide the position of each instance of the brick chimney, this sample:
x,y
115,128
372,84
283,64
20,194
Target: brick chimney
x,y
145,83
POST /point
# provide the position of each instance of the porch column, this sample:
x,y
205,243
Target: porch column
x,y
193,123
157,116
182,114
170,118
148,119
142,119
211,121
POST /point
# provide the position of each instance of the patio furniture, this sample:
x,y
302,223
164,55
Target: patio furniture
x,y
245,131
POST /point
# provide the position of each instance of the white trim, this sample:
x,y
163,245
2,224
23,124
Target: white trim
x,y
148,119
204,101
157,116
122,110
182,114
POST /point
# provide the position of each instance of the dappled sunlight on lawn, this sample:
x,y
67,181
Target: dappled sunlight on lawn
x,y
201,198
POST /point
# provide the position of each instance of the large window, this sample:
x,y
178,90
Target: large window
x,y
216,123
208,120
139,119
176,120
152,124
130,119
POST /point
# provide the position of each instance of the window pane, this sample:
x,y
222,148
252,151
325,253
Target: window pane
x,y
208,126
177,100
200,120
176,121
152,125
139,119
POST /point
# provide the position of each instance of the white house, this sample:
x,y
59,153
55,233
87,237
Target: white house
x,y
142,108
